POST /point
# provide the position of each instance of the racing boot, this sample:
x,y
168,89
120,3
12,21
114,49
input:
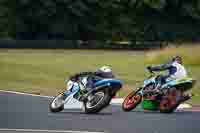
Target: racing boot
x,y
186,97
83,94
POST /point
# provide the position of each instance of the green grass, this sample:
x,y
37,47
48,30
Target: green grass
x,y
45,71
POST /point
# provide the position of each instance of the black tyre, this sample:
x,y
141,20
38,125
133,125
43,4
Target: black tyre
x,y
170,102
102,100
56,104
167,107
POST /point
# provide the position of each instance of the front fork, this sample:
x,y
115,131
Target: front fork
x,y
73,91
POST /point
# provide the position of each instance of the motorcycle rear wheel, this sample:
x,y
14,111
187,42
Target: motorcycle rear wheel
x,y
166,107
100,101
169,103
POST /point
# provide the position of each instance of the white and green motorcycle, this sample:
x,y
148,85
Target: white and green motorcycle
x,y
171,96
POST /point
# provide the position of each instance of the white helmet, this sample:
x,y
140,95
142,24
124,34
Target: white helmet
x,y
106,71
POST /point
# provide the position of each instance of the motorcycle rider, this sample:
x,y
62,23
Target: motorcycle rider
x,y
175,68
87,79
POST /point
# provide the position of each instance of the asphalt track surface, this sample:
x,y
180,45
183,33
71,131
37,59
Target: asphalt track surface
x,y
29,112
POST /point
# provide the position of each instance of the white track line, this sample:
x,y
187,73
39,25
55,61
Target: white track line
x,y
50,131
20,93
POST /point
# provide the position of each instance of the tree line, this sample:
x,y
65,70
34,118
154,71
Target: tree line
x,y
100,19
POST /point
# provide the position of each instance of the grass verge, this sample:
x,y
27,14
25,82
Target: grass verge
x,y
44,71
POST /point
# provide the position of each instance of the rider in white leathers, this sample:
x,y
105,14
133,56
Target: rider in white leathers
x,y
175,71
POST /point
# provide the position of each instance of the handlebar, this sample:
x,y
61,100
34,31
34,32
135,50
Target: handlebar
x,y
151,73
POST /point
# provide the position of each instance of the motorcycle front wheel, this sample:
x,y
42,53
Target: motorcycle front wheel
x,y
57,104
100,100
131,101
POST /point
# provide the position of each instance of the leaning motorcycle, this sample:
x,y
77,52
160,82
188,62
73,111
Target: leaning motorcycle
x,y
171,96
93,101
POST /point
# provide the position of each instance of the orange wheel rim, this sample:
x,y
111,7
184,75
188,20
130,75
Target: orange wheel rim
x,y
131,101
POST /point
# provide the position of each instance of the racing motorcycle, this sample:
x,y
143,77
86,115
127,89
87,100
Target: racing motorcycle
x,y
172,94
93,101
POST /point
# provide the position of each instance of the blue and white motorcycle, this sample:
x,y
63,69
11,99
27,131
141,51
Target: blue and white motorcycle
x,y
93,101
